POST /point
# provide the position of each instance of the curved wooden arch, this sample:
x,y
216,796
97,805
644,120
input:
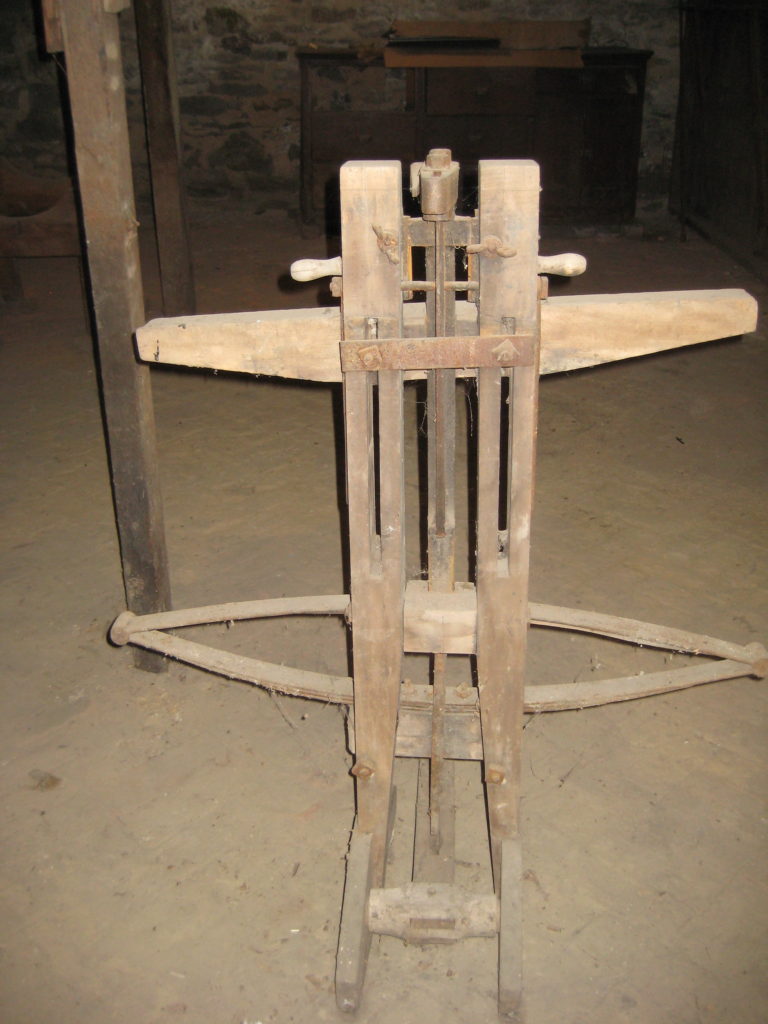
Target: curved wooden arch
x,y
725,660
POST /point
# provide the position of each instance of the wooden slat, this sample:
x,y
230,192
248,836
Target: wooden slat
x,y
370,197
576,331
509,198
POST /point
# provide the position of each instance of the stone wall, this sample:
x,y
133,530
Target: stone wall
x,y
31,122
238,82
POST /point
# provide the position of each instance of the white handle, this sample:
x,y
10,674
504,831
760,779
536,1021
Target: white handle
x,y
312,270
567,264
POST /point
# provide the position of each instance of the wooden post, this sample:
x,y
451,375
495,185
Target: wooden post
x,y
91,41
161,114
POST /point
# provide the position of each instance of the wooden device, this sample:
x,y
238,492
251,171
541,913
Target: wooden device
x,y
500,337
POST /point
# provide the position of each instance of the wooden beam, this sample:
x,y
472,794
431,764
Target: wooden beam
x,y
576,331
161,113
91,41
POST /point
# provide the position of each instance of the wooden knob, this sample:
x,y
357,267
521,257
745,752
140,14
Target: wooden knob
x,y
313,270
567,264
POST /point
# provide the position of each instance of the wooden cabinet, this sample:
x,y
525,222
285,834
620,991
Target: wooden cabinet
x,y
582,124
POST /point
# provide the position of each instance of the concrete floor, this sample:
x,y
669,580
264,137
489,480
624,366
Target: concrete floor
x,y
174,845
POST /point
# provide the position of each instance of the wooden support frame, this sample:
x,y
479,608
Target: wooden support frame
x,y
500,340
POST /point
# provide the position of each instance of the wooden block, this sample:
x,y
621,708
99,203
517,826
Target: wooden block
x,y
440,621
432,912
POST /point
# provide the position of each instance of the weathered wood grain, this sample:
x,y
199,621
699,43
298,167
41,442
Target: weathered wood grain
x,y
576,331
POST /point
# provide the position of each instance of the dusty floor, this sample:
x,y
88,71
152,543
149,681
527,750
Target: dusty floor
x,y
174,845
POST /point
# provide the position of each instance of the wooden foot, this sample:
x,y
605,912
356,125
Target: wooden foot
x,y
354,934
511,933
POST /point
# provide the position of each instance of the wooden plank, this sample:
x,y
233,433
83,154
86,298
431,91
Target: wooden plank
x,y
508,209
521,33
463,741
396,57
354,934
585,330
161,113
97,100
576,331
370,198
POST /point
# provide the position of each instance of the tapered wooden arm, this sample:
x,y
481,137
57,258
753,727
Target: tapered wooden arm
x,y
576,331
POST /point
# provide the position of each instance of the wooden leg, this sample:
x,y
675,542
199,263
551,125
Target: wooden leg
x,y
371,212
511,933
91,41
354,935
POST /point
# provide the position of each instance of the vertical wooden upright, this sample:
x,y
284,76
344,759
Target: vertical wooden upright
x,y
89,36
161,116
509,202
371,226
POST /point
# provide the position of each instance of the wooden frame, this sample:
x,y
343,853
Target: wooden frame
x,y
380,343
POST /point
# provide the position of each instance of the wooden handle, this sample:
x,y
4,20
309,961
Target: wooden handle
x,y
567,264
312,270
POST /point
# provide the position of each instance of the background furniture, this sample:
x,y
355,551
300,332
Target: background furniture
x,y
581,123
